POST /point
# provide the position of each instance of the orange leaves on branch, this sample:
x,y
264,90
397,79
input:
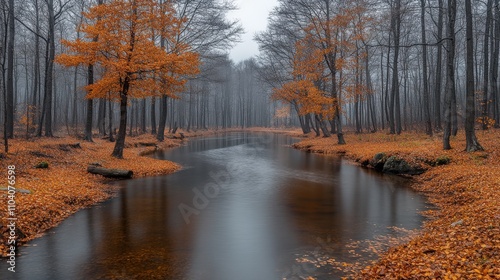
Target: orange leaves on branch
x,y
328,63
308,72
133,40
489,122
282,113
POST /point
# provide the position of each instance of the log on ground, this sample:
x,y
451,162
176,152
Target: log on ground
x,y
110,173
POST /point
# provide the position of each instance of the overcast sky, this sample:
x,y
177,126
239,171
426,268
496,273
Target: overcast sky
x,y
253,17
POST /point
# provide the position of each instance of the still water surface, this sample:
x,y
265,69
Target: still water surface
x,y
245,206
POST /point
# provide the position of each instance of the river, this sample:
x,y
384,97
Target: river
x,y
244,206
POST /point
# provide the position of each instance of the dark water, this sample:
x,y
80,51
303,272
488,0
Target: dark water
x,y
245,206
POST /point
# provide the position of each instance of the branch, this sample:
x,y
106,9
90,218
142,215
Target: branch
x,y
31,30
61,10
410,46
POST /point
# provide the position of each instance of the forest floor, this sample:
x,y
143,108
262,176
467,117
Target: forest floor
x,y
460,238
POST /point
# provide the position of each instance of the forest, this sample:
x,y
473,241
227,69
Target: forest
x,y
145,88
325,65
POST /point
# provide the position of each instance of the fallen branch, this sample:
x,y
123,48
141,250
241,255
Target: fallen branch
x,y
67,147
110,173
145,144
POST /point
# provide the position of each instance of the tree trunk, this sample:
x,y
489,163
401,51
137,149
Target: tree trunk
x,y
122,130
304,124
307,123
110,173
369,86
49,70
44,101
4,95
331,58
357,120
10,73
450,73
163,119
315,126
494,66
153,115
101,117
322,125
395,106
90,102
427,110
3,71
36,71
472,144
163,107
110,112
132,107
90,107
74,116
143,116
386,109
486,78
439,59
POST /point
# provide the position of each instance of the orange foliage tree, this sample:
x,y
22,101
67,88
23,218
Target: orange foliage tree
x,y
304,88
327,65
340,36
133,63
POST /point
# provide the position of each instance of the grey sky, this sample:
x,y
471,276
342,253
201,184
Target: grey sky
x,y
253,17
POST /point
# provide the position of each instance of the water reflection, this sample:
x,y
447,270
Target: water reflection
x,y
266,205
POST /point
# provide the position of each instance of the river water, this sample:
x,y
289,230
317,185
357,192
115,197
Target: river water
x,y
244,206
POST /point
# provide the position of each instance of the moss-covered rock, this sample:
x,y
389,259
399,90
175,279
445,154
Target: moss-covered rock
x,y
397,165
442,160
42,165
378,161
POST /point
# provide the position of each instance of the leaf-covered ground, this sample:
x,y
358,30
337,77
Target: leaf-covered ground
x,y
65,186
461,237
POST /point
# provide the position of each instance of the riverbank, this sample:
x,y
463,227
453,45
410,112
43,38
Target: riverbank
x,y
461,237
46,196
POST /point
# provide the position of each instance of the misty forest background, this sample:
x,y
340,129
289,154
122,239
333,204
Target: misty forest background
x,y
394,65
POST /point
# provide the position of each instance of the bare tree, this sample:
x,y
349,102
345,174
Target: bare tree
x,y
472,144
9,106
439,72
3,54
495,52
395,105
450,73
427,109
486,79
50,53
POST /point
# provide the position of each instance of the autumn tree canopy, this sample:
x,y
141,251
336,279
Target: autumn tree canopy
x,y
126,38
307,76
